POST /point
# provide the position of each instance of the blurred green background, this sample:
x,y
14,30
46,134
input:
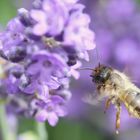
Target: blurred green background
x,y
7,10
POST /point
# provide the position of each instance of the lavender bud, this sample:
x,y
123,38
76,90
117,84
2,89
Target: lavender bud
x,y
17,54
24,17
16,71
24,81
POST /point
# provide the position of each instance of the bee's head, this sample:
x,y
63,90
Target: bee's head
x,y
101,74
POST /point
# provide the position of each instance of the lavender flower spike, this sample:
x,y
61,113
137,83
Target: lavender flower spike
x,y
43,47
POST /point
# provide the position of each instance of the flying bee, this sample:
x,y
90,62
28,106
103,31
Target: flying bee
x,y
118,89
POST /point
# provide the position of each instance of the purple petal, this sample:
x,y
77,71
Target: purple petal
x,y
60,111
40,29
53,84
38,15
57,99
43,92
41,116
52,118
15,25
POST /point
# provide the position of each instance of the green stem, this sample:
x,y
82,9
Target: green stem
x,y
41,130
6,133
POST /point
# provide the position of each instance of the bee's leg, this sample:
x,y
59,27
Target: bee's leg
x,y
107,103
118,106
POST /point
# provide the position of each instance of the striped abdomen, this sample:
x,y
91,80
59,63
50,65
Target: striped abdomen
x,y
132,103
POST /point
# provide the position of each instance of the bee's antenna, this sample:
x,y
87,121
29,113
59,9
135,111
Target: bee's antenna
x,y
84,69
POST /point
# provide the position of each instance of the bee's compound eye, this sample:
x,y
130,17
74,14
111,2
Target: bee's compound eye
x,y
98,79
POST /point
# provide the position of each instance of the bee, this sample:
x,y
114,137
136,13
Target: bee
x,y
118,89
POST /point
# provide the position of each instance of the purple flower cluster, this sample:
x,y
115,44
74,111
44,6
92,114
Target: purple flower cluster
x,y
42,48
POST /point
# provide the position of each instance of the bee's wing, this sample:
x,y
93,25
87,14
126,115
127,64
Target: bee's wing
x,y
92,99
